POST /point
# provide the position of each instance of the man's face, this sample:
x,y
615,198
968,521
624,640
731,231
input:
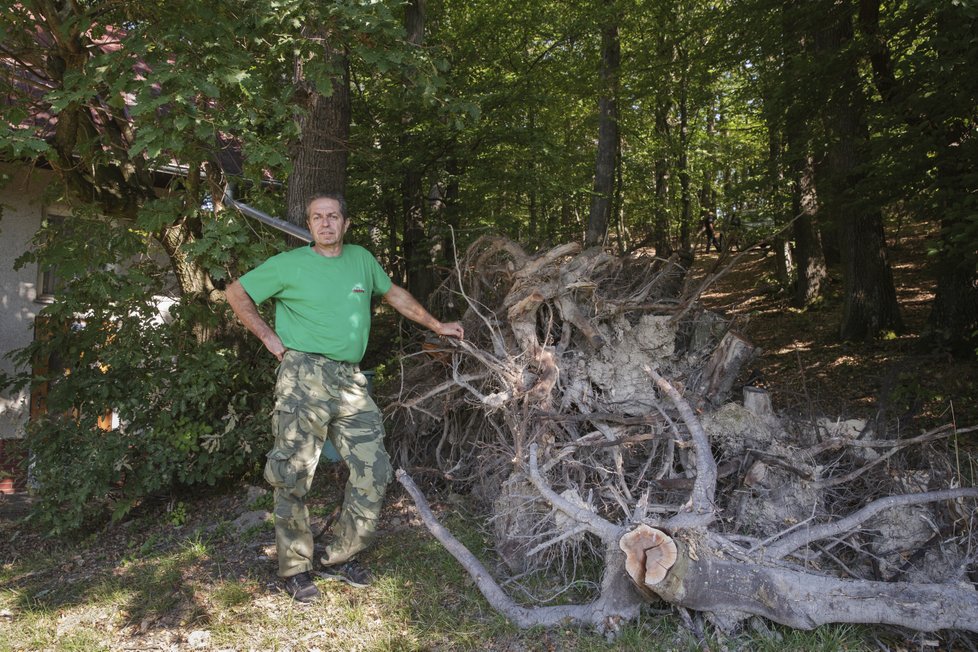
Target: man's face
x,y
326,224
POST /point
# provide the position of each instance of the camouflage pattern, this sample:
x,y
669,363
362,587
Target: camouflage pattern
x,y
316,398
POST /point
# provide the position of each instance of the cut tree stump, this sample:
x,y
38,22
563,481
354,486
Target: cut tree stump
x,y
724,366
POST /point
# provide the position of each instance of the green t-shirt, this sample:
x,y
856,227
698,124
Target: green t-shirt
x,y
322,305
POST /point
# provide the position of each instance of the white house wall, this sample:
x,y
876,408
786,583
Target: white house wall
x,y
22,213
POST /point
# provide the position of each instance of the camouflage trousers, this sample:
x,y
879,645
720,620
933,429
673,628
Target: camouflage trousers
x,y
316,398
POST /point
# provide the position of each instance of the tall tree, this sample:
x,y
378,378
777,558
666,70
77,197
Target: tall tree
x,y
870,305
418,261
608,138
322,108
929,109
811,271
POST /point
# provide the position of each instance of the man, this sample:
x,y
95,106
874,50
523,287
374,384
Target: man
x,y
706,225
322,320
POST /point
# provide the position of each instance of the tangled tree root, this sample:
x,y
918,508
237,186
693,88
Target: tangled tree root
x,y
591,409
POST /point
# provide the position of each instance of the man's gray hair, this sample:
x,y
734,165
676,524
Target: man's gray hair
x,y
335,196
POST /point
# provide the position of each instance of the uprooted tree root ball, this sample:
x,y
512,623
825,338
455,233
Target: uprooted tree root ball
x,y
594,408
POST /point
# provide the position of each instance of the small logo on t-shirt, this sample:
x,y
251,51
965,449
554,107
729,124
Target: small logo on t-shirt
x,y
358,289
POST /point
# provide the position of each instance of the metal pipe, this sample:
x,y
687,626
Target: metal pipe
x,y
261,216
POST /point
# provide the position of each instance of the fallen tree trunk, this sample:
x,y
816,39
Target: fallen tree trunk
x,y
587,410
806,600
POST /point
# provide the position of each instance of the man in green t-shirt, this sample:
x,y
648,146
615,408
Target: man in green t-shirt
x,y
322,321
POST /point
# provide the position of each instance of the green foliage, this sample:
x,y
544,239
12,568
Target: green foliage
x,y
188,400
178,514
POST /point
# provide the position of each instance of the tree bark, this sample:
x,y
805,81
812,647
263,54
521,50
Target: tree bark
x,y
419,266
319,157
660,227
602,192
686,216
118,180
870,306
809,259
954,312
805,600
811,269
724,366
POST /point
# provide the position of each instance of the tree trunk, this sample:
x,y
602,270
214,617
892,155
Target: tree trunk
x,y
660,227
809,259
320,155
118,181
710,581
725,364
707,194
602,193
811,270
419,266
870,296
954,313
685,220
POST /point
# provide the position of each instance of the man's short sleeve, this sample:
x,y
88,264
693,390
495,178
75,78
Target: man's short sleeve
x,y
381,281
263,281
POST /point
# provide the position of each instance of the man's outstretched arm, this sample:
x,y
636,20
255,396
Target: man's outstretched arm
x,y
247,313
404,302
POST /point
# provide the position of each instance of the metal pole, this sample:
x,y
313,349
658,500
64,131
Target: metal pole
x,y
261,216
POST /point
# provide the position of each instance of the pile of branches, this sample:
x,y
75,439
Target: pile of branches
x,y
599,411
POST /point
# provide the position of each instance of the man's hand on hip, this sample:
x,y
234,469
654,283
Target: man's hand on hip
x,y
274,345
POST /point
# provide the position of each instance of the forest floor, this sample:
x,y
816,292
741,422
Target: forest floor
x,y
897,382
197,572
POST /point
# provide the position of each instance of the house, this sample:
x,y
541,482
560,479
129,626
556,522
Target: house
x,y
23,291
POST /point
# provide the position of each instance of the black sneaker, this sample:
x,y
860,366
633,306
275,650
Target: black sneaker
x,y
300,588
350,572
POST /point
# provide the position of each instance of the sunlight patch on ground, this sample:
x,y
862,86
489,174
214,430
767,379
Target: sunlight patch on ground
x,y
799,345
844,360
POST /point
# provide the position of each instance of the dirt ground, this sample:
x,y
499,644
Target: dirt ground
x,y
899,382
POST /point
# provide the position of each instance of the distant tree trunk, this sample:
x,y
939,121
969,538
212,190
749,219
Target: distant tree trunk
x,y
660,227
319,156
707,194
618,205
452,216
604,167
685,224
809,259
954,312
392,211
870,297
783,256
533,222
811,270
418,261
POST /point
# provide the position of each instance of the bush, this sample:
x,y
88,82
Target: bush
x,y
139,401
137,406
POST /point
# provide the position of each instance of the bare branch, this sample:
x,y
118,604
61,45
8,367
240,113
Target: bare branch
x,y
599,526
802,538
595,613
701,510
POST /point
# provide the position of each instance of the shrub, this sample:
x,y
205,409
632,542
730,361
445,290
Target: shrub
x,y
139,401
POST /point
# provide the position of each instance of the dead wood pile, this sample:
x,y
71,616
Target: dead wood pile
x,y
595,409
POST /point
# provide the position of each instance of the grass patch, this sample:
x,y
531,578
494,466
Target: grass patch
x,y
160,586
